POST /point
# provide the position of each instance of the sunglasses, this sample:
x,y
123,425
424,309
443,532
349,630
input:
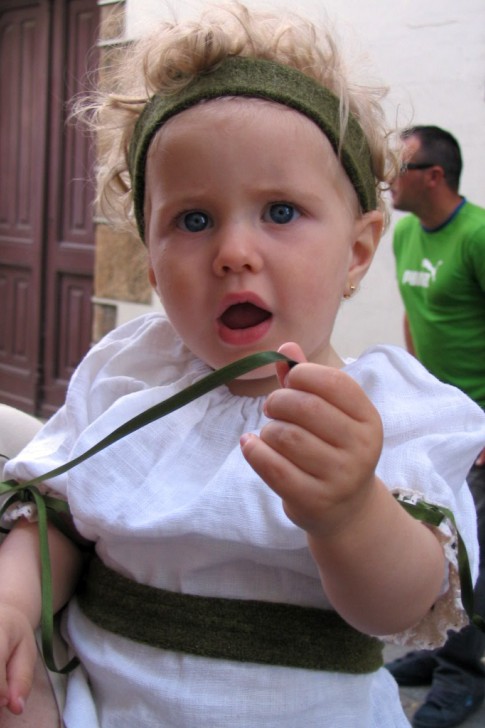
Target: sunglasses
x,y
408,166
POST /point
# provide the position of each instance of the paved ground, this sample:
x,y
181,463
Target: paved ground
x,y
412,698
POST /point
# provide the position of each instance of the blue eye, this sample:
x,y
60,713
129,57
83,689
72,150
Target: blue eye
x,y
282,213
194,222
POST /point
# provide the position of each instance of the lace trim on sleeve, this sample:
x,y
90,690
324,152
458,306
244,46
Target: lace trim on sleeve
x,y
27,509
447,612
21,510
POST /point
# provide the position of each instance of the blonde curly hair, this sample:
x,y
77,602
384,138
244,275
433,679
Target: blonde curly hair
x,y
169,58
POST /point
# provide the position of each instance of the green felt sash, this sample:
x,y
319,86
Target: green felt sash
x,y
241,630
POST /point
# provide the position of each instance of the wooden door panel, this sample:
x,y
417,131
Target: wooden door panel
x,y
23,59
14,290
71,329
70,231
46,193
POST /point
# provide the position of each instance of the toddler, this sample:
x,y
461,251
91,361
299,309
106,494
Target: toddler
x,y
251,547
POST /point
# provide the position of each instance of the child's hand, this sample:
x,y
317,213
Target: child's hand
x,y
319,455
18,653
320,451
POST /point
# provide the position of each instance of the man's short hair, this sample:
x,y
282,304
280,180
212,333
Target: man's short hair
x,y
439,147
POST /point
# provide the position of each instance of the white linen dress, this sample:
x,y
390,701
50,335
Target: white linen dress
x,y
176,506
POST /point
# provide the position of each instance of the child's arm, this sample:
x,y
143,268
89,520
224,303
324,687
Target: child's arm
x,y
381,569
20,603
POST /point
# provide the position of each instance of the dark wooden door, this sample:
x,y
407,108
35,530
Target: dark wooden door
x,y
46,193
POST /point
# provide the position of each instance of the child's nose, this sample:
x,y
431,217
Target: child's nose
x,y
237,250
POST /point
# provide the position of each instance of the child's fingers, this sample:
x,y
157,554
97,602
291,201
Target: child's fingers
x,y
306,500
312,455
309,412
4,658
20,675
18,653
292,351
318,437
276,470
332,386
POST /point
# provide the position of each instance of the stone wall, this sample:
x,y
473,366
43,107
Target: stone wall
x,y
120,277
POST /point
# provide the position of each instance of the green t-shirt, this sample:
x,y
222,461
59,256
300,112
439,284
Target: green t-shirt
x,y
441,277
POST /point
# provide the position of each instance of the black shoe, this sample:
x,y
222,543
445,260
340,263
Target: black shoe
x,y
447,706
415,668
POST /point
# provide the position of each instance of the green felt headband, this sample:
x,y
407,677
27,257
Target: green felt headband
x,y
257,78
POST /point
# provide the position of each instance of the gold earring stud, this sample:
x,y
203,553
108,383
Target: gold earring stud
x,y
348,294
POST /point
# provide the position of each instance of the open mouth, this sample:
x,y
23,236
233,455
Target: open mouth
x,y
244,316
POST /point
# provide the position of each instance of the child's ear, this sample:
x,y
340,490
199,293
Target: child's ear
x,y
368,231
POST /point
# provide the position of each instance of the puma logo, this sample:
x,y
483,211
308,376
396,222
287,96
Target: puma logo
x,y
428,265
422,278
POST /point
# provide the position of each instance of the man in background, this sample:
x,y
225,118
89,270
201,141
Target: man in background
x,y
440,261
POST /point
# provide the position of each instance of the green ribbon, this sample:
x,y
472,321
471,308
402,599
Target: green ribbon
x,y
57,510
433,515
54,508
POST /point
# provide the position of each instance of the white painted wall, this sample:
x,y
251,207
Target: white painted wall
x,y
431,54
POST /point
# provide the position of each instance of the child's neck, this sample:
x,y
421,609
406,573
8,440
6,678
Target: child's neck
x,y
253,387
260,387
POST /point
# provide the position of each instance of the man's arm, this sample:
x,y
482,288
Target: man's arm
x,y
407,336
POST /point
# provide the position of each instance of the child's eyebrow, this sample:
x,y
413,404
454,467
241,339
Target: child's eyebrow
x,y
258,78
